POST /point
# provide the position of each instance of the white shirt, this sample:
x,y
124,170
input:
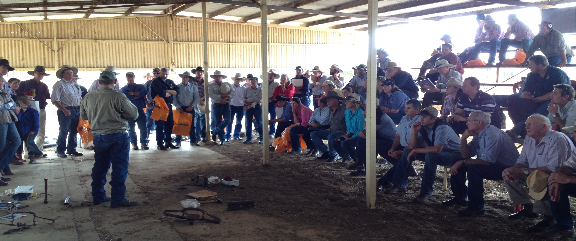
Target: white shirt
x,y
238,97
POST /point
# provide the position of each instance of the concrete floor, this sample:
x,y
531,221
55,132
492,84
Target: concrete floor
x,y
71,177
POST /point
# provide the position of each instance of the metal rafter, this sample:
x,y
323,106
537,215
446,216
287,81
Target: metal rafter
x,y
380,10
45,8
183,7
331,9
296,4
223,11
90,11
131,10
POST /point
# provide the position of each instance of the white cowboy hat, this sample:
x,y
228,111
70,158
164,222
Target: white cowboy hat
x,y
218,73
335,66
273,71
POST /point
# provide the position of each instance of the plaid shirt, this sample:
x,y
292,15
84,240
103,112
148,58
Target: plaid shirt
x,y
521,31
491,33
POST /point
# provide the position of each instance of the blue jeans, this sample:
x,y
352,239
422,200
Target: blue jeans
x,y
272,112
255,114
476,176
524,44
221,119
141,126
192,133
164,129
200,125
68,129
444,158
295,138
237,111
150,125
520,127
348,148
318,136
282,127
491,46
561,208
554,61
33,150
113,149
9,144
400,177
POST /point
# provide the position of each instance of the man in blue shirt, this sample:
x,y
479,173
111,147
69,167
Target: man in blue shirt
x,y
494,151
166,89
442,147
287,118
320,120
537,95
185,102
136,93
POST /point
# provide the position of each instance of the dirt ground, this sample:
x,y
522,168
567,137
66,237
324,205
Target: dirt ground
x,y
301,198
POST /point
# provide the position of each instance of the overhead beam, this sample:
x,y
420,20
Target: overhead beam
x,y
384,9
131,10
418,13
171,8
45,8
89,12
330,9
223,11
183,7
296,4
517,3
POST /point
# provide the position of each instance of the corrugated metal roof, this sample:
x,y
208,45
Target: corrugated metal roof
x,y
245,10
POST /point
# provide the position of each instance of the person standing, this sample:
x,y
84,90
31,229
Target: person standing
x,y
66,96
253,100
220,93
185,103
8,132
136,93
166,89
522,37
38,90
318,79
96,84
552,44
236,109
272,75
29,125
108,112
302,92
199,119
150,124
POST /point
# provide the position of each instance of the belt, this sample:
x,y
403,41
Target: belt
x,y
72,107
317,95
122,132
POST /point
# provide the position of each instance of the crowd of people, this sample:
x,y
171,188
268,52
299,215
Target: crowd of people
x,y
456,124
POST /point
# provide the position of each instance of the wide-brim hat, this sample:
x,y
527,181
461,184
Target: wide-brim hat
x,y
443,63
329,82
537,184
488,18
186,73
5,62
148,74
569,128
362,66
282,98
352,97
225,88
336,67
429,111
66,67
316,69
331,94
455,82
238,76
391,65
197,69
218,73
110,68
39,69
273,71
445,36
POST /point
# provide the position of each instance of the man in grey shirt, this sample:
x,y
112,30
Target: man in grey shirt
x,y
436,93
185,102
494,151
317,79
253,100
220,93
337,128
108,112
562,108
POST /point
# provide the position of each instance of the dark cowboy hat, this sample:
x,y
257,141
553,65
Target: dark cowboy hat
x,y
197,69
331,94
39,69
282,98
4,62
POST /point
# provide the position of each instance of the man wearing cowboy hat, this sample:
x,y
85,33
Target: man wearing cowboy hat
x,y
287,117
221,94
108,112
328,85
359,80
236,108
38,90
488,40
337,128
253,99
96,84
552,44
66,96
435,93
382,58
473,99
136,93
185,102
402,79
150,123
272,75
561,185
441,147
495,152
522,37
318,79
335,77
199,119
302,92
545,150
166,89
4,68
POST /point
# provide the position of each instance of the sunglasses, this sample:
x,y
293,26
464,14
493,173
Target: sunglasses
x,y
156,73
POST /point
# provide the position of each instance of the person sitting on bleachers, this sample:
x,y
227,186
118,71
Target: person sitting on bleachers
x,y
453,93
494,151
436,54
552,44
522,37
354,117
537,94
392,100
544,150
320,120
337,128
359,80
442,147
473,99
446,72
402,79
562,109
489,40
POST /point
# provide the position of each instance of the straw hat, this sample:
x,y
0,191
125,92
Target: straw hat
x,y
455,82
273,71
336,67
329,82
66,67
225,88
443,63
218,73
569,128
352,97
429,111
391,65
238,76
316,69
536,183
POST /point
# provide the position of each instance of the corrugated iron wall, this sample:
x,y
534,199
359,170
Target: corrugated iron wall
x,y
145,42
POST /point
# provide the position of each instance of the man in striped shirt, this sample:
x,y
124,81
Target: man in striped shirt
x,y
522,36
473,99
